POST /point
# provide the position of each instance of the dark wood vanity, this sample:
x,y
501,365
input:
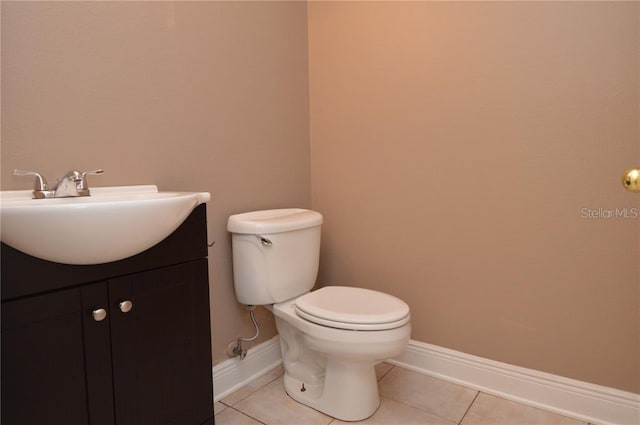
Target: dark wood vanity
x,y
122,343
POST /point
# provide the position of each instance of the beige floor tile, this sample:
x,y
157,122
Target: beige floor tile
x,y
491,410
232,417
272,406
444,399
382,369
253,386
393,413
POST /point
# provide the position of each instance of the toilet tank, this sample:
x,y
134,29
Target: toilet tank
x,y
275,254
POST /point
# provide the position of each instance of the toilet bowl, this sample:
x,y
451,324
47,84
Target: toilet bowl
x,y
332,369
331,338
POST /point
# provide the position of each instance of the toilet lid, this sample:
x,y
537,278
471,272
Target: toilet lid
x,y
344,307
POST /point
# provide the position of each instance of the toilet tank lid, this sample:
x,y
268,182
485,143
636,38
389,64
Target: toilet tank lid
x,y
273,221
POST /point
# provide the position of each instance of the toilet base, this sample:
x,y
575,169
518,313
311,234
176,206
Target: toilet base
x,y
349,391
336,366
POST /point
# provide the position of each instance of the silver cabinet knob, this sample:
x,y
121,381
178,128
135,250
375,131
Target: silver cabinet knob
x,y
99,315
126,306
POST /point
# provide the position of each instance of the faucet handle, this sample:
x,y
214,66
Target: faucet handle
x,y
82,185
40,185
40,182
99,171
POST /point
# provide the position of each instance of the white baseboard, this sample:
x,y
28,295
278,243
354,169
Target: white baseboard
x,y
581,400
234,373
587,402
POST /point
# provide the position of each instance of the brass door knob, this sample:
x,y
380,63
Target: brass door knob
x,y
631,180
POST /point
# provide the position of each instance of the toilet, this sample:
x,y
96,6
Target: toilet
x,y
331,338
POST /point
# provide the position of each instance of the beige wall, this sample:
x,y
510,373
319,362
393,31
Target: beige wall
x,y
199,96
453,147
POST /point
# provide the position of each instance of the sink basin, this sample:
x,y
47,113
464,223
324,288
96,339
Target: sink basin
x,y
111,224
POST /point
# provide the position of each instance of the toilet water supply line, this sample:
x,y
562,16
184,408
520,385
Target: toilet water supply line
x,y
235,349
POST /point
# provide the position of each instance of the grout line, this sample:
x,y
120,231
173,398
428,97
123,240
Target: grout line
x,y
225,407
387,372
469,408
247,415
224,404
422,409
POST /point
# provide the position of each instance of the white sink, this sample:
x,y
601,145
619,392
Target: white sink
x,y
111,224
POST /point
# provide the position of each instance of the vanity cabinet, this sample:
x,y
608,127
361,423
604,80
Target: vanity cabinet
x,y
123,343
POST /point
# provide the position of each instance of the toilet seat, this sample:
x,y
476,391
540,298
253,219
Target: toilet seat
x,y
350,308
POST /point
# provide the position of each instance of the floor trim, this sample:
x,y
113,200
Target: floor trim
x,y
581,400
232,374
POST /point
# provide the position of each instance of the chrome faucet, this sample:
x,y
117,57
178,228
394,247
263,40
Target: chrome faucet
x,y
72,184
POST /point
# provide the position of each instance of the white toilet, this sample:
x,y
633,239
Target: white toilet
x,y
331,338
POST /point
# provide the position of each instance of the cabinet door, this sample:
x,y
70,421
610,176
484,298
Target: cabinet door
x,y
46,376
161,346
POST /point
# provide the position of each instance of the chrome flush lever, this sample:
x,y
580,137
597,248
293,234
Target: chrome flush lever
x,y
264,241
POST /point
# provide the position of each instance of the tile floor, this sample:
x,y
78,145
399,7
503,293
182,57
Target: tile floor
x,y
406,398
